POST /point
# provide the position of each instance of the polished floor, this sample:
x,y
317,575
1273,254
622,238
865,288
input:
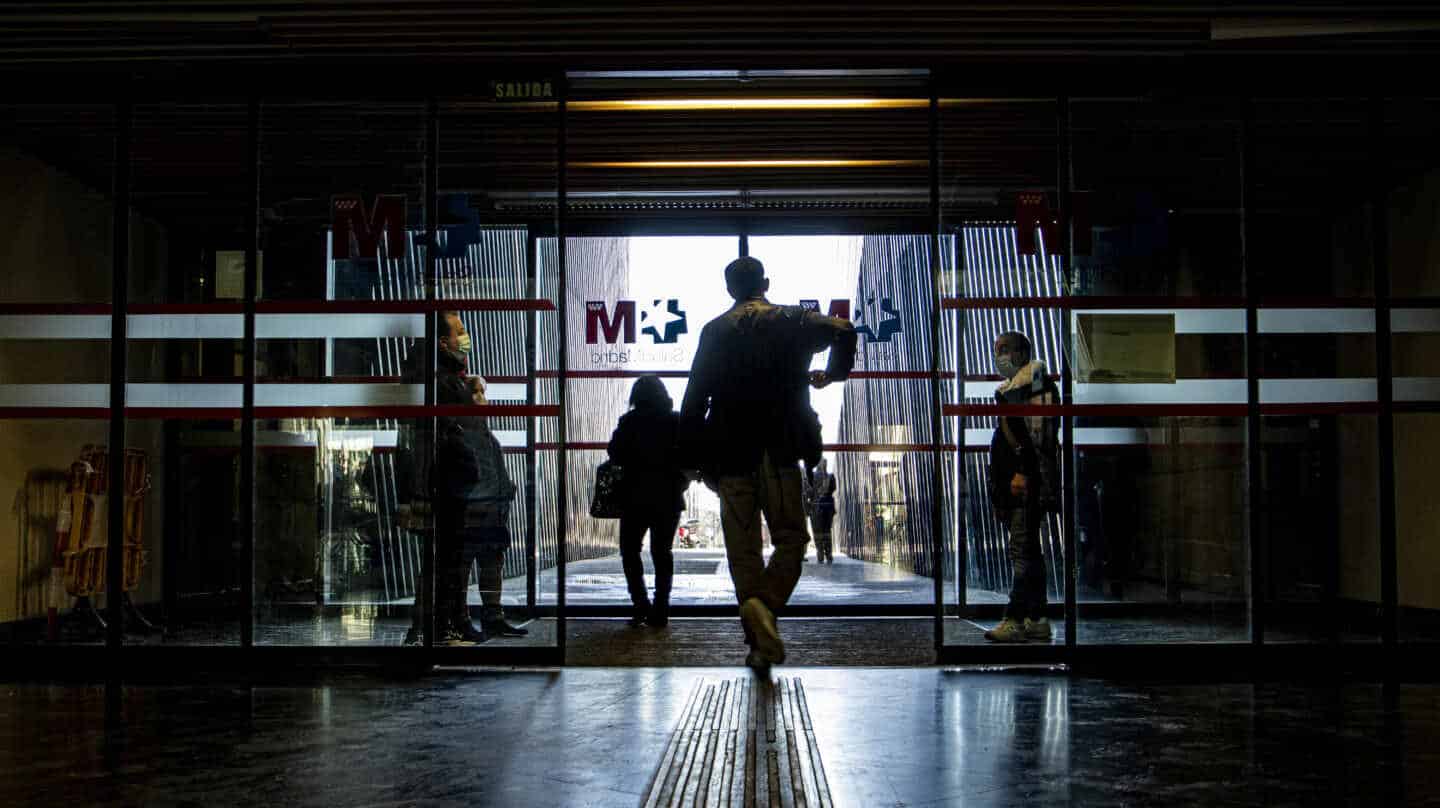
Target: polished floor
x,y
597,737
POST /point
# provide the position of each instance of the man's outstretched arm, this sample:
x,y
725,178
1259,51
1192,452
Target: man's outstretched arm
x,y
838,336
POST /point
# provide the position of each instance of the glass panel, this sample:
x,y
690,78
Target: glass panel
x,y
632,315
1161,550
498,184
341,366
877,426
1320,525
187,242
1417,440
57,200
1161,529
1414,212
997,169
1311,258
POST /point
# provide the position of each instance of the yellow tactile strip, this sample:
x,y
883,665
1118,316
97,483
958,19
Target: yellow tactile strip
x,y
742,743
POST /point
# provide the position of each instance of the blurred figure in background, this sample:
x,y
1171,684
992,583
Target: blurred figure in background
x,y
820,489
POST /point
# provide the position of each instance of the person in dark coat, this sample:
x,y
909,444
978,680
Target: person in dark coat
x,y
646,447
747,422
457,474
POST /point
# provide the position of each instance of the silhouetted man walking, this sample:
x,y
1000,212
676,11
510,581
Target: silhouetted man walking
x,y
747,418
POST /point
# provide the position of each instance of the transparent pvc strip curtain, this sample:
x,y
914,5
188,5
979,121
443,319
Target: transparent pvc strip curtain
x,y
992,266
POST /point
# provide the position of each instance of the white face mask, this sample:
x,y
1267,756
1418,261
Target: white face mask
x,y
1006,366
462,344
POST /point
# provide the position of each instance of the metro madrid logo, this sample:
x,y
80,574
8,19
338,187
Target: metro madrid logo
x,y
663,321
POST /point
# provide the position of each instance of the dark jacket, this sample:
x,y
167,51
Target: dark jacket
x,y
1027,444
646,446
462,461
749,386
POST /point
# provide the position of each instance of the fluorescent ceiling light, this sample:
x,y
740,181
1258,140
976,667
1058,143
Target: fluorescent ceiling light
x,y
749,164
740,104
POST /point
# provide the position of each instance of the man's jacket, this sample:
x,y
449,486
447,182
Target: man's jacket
x,y
749,386
1027,444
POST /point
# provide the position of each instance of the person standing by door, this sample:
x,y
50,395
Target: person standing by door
x,y
645,445
457,475
1024,484
485,531
747,422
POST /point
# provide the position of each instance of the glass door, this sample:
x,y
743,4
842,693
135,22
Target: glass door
x,y
824,179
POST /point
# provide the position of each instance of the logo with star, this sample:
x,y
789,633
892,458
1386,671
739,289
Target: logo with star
x,y
664,321
877,319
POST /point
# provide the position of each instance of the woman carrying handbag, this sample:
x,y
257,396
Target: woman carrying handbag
x,y
645,444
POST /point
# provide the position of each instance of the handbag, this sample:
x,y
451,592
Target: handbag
x,y
605,503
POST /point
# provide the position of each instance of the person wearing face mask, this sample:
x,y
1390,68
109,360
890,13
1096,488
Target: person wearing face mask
x,y
1024,484
459,477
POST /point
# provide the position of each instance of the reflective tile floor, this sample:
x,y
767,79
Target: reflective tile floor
x,y
595,737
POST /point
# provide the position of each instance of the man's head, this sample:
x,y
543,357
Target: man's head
x,y
450,333
1012,352
745,278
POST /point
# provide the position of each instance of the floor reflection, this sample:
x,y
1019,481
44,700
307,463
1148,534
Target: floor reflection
x,y
913,736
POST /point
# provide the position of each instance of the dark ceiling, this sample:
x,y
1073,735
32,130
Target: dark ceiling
x,y
325,128
733,35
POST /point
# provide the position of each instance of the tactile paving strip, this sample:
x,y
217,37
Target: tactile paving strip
x,y
742,743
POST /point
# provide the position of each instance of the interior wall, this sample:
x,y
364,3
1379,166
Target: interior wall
x,y
56,249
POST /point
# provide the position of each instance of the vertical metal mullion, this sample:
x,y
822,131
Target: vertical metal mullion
x,y
532,577
1064,182
432,176
119,305
937,477
962,445
562,432
1385,394
250,289
1254,457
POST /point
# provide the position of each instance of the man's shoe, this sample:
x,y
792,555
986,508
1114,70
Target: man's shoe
x,y
760,624
757,663
500,628
1038,629
659,615
1009,630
